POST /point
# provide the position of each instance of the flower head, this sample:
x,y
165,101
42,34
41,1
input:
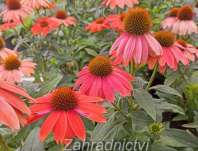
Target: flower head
x,y
3,50
136,43
37,4
188,49
115,22
13,110
137,21
101,78
169,21
171,54
185,24
63,18
97,25
13,69
9,25
15,11
44,26
119,3
63,108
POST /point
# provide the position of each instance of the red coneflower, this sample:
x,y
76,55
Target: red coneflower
x,y
101,78
13,69
15,11
185,24
171,54
115,22
169,21
97,25
13,110
36,4
120,3
63,108
63,18
9,25
136,43
188,49
44,26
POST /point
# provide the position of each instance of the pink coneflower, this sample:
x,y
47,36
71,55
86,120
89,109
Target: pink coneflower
x,y
169,21
13,110
44,26
188,49
136,43
120,3
8,25
171,54
36,4
97,25
63,108
15,11
63,18
101,78
185,24
12,69
115,22
3,50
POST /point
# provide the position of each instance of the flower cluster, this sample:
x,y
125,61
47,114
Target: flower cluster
x,y
103,78
180,21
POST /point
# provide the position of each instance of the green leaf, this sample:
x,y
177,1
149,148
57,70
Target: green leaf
x,y
108,131
159,147
145,100
50,85
191,125
179,138
32,143
165,106
91,52
3,145
166,89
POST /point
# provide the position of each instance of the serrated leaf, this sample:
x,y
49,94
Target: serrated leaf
x,y
145,100
166,89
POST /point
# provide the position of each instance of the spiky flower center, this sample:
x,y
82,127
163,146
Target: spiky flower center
x,y
173,12
165,38
64,99
100,66
2,43
13,4
12,62
185,13
137,21
61,14
100,20
122,16
44,23
182,42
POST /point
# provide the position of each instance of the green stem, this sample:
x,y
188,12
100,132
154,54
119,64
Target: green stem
x,y
62,147
152,77
119,110
132,68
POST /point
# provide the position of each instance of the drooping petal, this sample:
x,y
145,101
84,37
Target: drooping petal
x,y
8,115
49,124
76,125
